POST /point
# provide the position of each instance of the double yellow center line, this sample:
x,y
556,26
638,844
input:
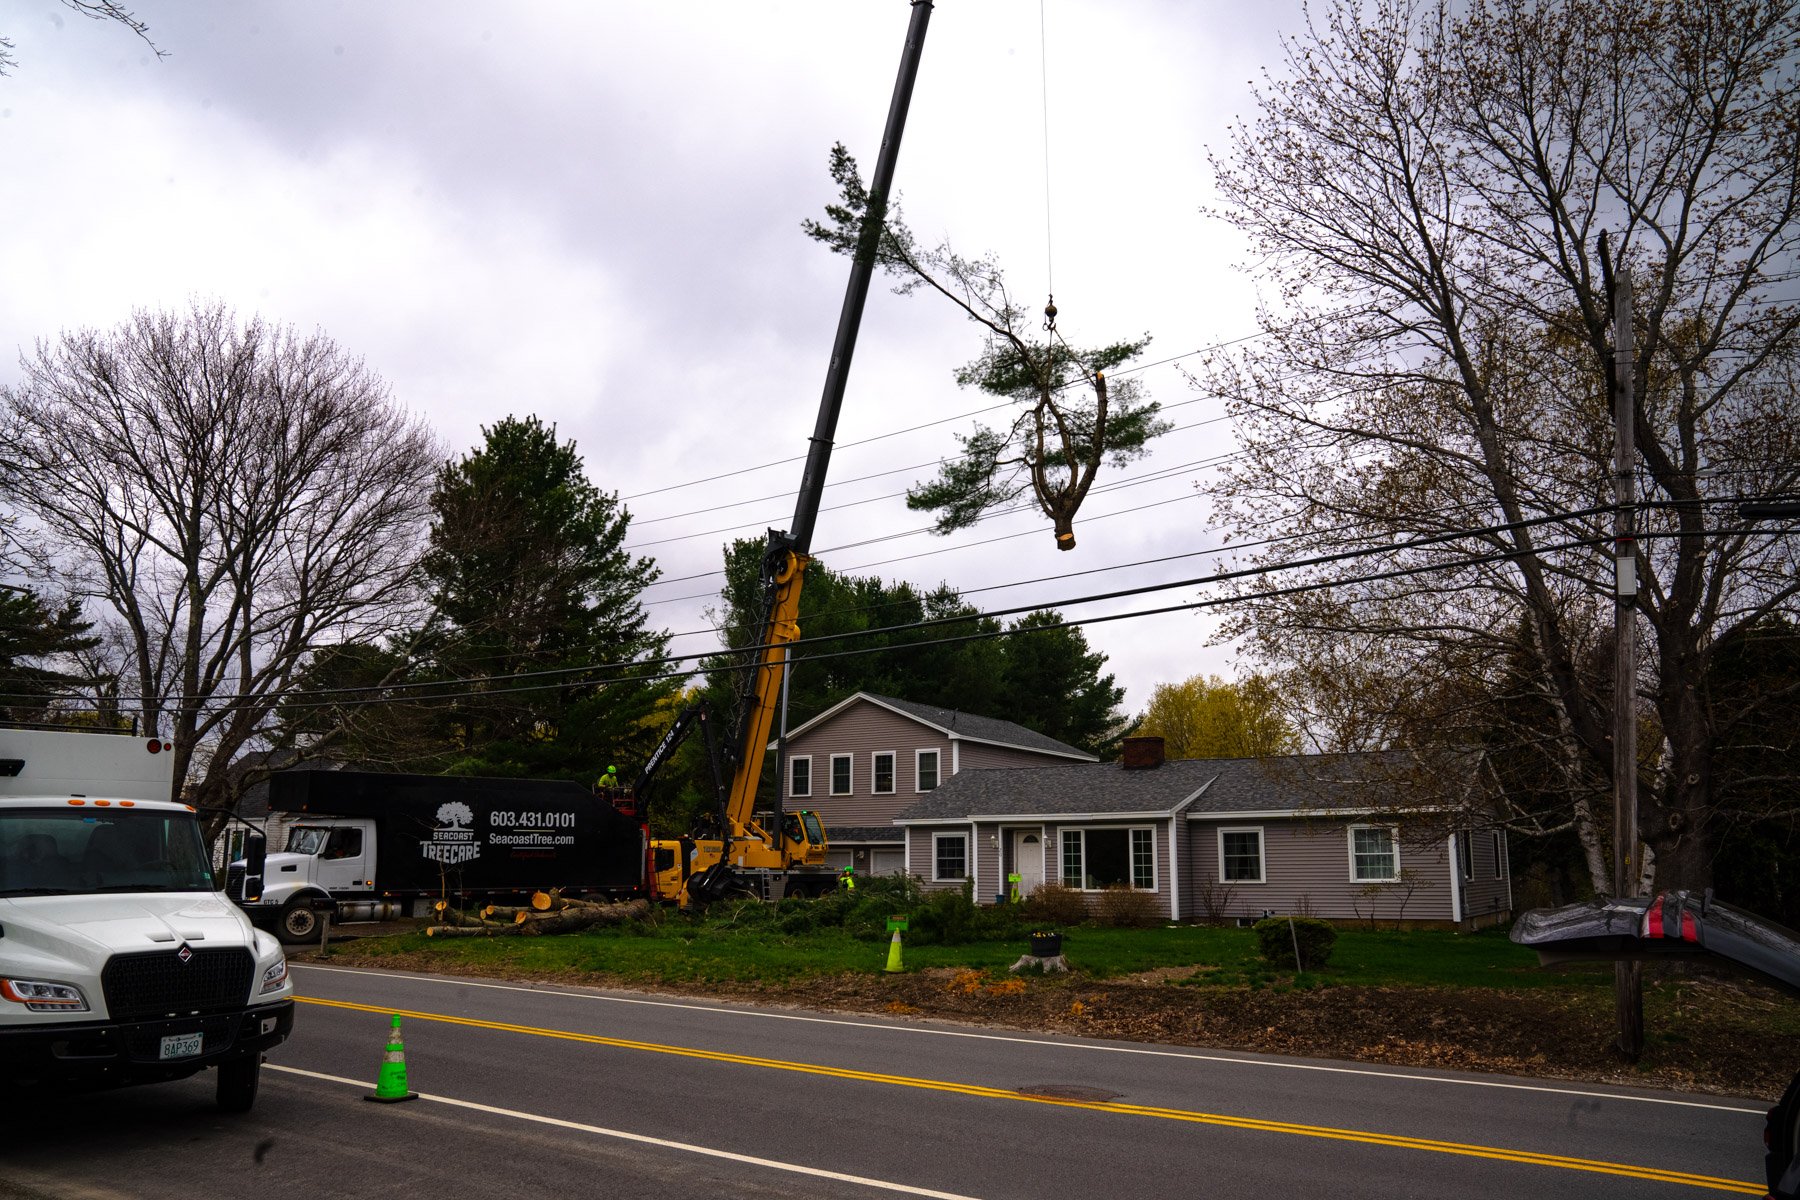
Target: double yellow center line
x,y
1398,1141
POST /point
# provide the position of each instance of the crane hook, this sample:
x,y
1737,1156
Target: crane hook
x,y
1050,315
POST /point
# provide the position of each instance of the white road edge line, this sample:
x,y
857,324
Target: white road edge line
x,y
994,1037
644,1139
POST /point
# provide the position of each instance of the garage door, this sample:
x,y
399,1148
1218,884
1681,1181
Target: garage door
x,y
887,862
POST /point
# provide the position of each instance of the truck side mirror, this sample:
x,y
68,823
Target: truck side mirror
x,y
256,854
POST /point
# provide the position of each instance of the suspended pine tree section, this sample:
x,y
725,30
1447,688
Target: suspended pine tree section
x,y
1068,418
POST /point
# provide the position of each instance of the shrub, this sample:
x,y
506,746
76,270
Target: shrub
x,y
1315,937
947,918
1124,907
1055,904
864,913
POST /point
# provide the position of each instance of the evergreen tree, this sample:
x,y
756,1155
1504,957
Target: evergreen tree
x,y
1052,683
862,634
32,634
528,576
1754,691
883,649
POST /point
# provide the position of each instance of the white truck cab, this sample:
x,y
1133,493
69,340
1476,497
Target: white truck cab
x,y
327,866
120,960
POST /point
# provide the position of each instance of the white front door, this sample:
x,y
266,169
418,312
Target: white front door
x,y
1028,860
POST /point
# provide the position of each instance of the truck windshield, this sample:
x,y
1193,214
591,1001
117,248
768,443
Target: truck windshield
x,y
68,851
306,839
814,834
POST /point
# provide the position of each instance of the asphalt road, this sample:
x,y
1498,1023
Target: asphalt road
x,y
559,1091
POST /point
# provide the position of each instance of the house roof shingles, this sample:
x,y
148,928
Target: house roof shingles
x,y
864,833
978,728
1301,783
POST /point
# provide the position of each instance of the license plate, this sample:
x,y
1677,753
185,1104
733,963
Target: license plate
x,y
182,1045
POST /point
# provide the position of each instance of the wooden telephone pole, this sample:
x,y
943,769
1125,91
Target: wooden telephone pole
x,y
1628,990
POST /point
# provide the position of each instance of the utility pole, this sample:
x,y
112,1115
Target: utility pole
x,y
1628,989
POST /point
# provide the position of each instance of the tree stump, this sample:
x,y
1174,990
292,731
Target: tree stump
x,y
1047,964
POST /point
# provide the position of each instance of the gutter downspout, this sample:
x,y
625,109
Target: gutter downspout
x,y
1455,885
1174,870
1505,863
975,861
1176,821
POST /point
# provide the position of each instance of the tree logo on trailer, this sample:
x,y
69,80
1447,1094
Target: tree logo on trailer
x,y
453,841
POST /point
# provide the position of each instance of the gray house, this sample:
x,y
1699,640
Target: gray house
x,y
1337,836
864,759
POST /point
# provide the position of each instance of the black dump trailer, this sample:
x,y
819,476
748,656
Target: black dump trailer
x,y
366,844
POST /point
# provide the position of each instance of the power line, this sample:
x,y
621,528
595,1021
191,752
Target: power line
x,y
1112,485
1217,577
986,635
634,672
1133,370
695,512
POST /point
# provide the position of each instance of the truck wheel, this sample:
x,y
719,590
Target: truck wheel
x,y
1783,1134
237,1082
299,923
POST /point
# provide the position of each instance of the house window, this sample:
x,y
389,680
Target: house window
x,y
1374,856
949,857
840,774
881,769
1499,854
1241,855
1098,858
928,769
800,776
1465,854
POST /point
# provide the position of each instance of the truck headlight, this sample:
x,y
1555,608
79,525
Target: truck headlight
x,y
41,996
274,976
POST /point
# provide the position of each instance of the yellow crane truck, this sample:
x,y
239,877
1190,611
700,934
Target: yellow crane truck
x,y
733,849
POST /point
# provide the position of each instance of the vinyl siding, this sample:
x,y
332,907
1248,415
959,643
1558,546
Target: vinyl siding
x,y
919,847
991,859
1487,893
1306,865
860,731
863,730
978,757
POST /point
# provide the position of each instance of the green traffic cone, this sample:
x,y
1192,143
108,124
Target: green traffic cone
x,y
894,953
390,1084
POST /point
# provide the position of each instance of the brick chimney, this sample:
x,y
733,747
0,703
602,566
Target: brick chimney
x,y
1142,753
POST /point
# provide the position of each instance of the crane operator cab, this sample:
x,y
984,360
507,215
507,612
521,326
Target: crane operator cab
x,y
802,838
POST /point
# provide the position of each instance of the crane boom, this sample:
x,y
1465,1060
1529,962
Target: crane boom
x,y
785,559
740,842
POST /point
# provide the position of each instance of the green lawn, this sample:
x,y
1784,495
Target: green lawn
x,y
675,949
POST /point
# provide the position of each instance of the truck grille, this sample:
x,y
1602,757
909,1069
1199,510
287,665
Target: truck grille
x,y
145,987
234,884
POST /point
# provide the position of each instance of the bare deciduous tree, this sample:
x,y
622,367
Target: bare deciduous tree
x,y
232,497
1427,182
99,10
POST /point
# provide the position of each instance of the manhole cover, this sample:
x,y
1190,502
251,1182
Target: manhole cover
x,y
1069,1091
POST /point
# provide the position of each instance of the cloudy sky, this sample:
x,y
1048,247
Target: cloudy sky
x,y
590,211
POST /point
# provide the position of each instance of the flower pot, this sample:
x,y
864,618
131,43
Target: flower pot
x,y
1046,945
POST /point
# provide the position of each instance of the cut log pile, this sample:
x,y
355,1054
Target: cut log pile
x,y
548,912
